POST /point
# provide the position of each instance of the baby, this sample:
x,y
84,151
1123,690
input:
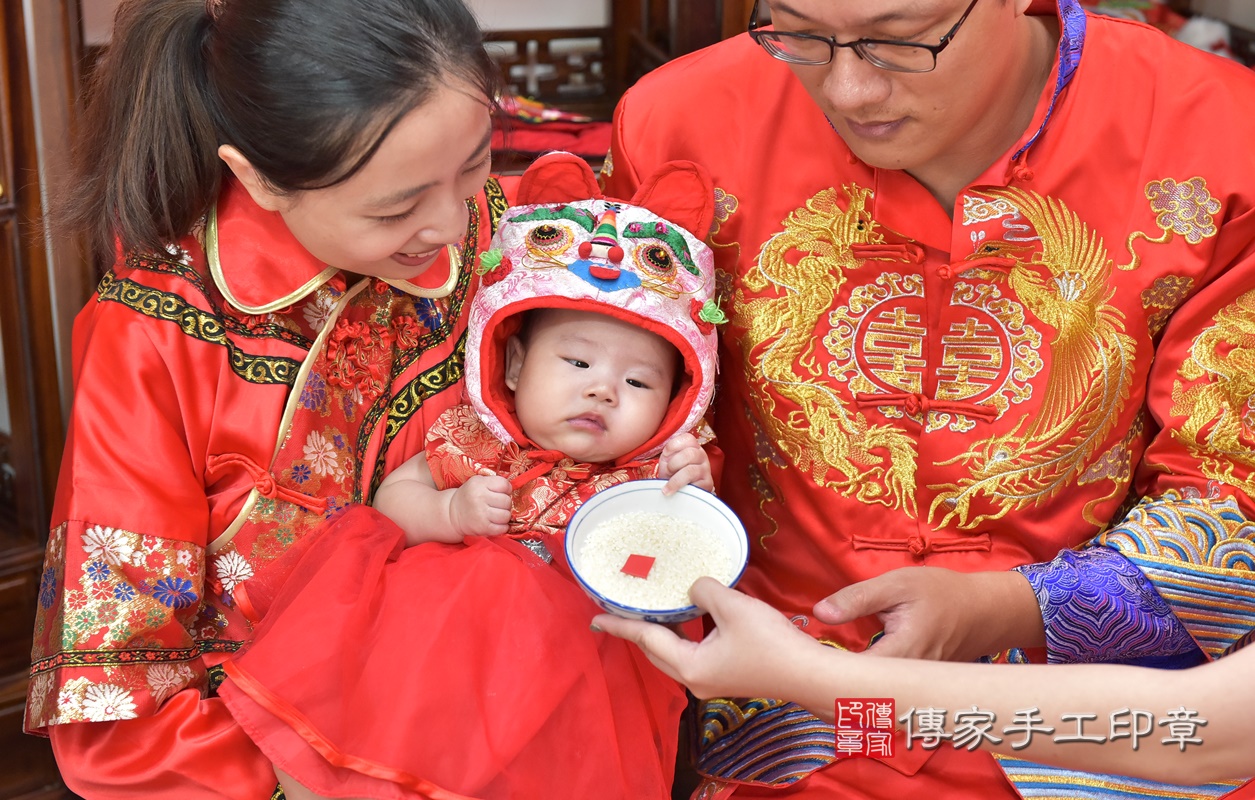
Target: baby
x,y
590,386
590,361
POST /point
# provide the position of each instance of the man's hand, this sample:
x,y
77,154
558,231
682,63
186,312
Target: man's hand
x,y
481,506
942,615
684,462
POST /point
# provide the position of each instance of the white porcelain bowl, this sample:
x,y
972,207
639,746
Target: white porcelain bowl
x,y
690,504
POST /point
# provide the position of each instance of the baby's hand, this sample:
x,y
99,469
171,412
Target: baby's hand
x,y
481,506
684,462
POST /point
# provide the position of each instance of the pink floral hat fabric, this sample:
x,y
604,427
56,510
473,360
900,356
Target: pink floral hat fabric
x,y
564,245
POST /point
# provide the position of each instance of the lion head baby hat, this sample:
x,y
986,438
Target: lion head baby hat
x,y
564,245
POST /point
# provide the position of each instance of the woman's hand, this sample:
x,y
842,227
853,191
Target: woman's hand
x,y
751,652
941,615
683,462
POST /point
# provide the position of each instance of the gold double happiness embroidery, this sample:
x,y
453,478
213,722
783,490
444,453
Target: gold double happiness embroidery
x,y
1062,277
988,358
1217,396
823,435
1059,276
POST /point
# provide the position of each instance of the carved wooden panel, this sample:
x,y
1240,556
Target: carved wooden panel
x,y
562,67
587,69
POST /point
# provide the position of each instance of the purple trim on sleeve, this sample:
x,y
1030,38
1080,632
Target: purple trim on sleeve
x,y
1072,26
1098,606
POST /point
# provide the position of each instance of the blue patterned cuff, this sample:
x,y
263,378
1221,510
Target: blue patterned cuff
x,y
1098,606
1199,554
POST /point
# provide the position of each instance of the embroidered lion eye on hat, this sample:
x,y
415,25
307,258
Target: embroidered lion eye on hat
x,y
642,260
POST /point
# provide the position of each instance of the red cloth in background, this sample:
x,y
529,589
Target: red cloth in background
x,y
587,139
529,127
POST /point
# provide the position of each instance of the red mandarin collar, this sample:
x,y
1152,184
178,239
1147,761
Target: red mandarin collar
x,y
260,267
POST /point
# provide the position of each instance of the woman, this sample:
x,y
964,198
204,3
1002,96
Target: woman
x,y
285,185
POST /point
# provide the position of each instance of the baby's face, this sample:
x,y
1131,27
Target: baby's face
x,y
588,385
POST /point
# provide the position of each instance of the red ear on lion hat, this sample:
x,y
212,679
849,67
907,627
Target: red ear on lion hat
x,y
680,191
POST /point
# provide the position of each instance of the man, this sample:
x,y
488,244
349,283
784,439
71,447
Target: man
x,y
988,272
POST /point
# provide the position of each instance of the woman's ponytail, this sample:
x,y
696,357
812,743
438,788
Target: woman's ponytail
x,y
146,166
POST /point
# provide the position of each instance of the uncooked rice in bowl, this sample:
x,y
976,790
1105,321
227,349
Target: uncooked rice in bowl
x,y
684,552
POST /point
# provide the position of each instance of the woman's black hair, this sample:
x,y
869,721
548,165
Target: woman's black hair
x,y
306,90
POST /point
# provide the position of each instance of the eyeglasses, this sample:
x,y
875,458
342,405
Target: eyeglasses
x,y
810,50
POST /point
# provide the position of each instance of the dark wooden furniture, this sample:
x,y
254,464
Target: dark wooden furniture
x,y
588,69
562,67
38,54
653,32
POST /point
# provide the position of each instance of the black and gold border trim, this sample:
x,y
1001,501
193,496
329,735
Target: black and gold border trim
x,y
197,324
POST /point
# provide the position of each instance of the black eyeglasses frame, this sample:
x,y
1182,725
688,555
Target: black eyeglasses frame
x,y
859,46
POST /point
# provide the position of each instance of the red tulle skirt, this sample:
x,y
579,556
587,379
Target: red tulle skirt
x,y
447,671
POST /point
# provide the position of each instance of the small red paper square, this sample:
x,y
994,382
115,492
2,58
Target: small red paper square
x,y
638,566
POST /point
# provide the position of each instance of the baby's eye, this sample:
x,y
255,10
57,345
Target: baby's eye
x,y
637,384
575,362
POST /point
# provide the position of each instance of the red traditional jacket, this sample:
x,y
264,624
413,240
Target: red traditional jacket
x,y
547,493
230,394
985,386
